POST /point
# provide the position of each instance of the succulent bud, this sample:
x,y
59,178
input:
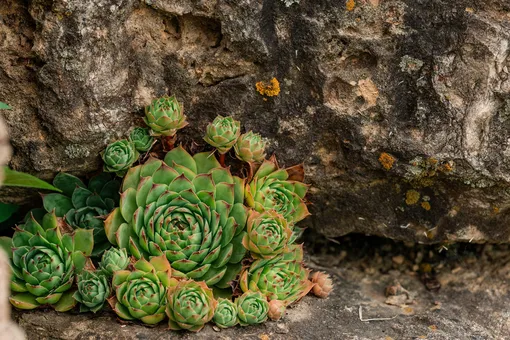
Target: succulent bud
x,y
276,309
323,285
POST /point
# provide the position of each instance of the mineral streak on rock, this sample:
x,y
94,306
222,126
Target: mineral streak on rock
x,y
412,79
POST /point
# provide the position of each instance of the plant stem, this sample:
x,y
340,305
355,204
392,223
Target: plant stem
x,y
168,142
222,159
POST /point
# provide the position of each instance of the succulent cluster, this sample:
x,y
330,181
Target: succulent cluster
x,y
179,225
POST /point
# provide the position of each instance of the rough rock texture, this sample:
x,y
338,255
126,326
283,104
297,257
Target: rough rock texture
x,y
399,109
472,304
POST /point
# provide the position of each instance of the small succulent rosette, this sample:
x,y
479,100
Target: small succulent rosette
x,y
141,138
267,234
114,259
93,290
190,306
119,156
223,133
140,294
45,261
85,206
165,116
283,277
225,315
250,147
252,308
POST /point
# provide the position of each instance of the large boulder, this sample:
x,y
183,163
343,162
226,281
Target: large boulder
x,y
399,109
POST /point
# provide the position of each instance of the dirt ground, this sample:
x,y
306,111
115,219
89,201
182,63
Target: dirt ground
x,y
383,290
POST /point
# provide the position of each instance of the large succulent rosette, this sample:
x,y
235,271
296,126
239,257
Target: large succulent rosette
x,y
283,277
141,293
45,260
277,189
190,305
188,208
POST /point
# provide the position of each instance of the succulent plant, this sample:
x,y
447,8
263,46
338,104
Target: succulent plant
x,y
250,147
93,290
225,315
323,285
114,259
276,309
188,208
119,156
283,277
252,308
267,234
83,206
45,259
190,305
164,116
277,189
141,293
222,133
141,139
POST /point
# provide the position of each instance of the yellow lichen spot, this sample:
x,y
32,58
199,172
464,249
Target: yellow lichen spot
x,y
264,337
350,4
425,205
433,328
386,160
495,210
412,197
432,161
470,10
270,90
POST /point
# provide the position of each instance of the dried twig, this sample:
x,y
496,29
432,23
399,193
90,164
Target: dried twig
x,y
373,319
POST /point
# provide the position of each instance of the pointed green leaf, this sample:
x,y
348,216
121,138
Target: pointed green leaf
x,y
205,161
19,179
67,183
181,157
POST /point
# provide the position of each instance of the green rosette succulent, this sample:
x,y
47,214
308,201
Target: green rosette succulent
x,y
267,234
190,305
114,259
225,315
277,189
252,308
283,277
250,147
164,116
93,290
141,138
84,206
45,260
119,156
222,133
141,294
188,208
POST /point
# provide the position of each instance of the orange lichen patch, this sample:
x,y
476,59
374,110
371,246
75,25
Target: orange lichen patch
x,y
350,4
432,161
425,205
386,160
412,197
270,90
433,328
495,210
264,337
446,167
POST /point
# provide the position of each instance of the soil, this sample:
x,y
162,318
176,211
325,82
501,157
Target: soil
x,y
409,291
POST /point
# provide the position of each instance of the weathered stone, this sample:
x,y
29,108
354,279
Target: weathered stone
x,y
379,98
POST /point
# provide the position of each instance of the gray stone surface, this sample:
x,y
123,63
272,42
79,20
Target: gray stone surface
x,y
473,303
422,82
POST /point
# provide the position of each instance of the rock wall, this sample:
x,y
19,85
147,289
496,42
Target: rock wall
x,y
399,109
